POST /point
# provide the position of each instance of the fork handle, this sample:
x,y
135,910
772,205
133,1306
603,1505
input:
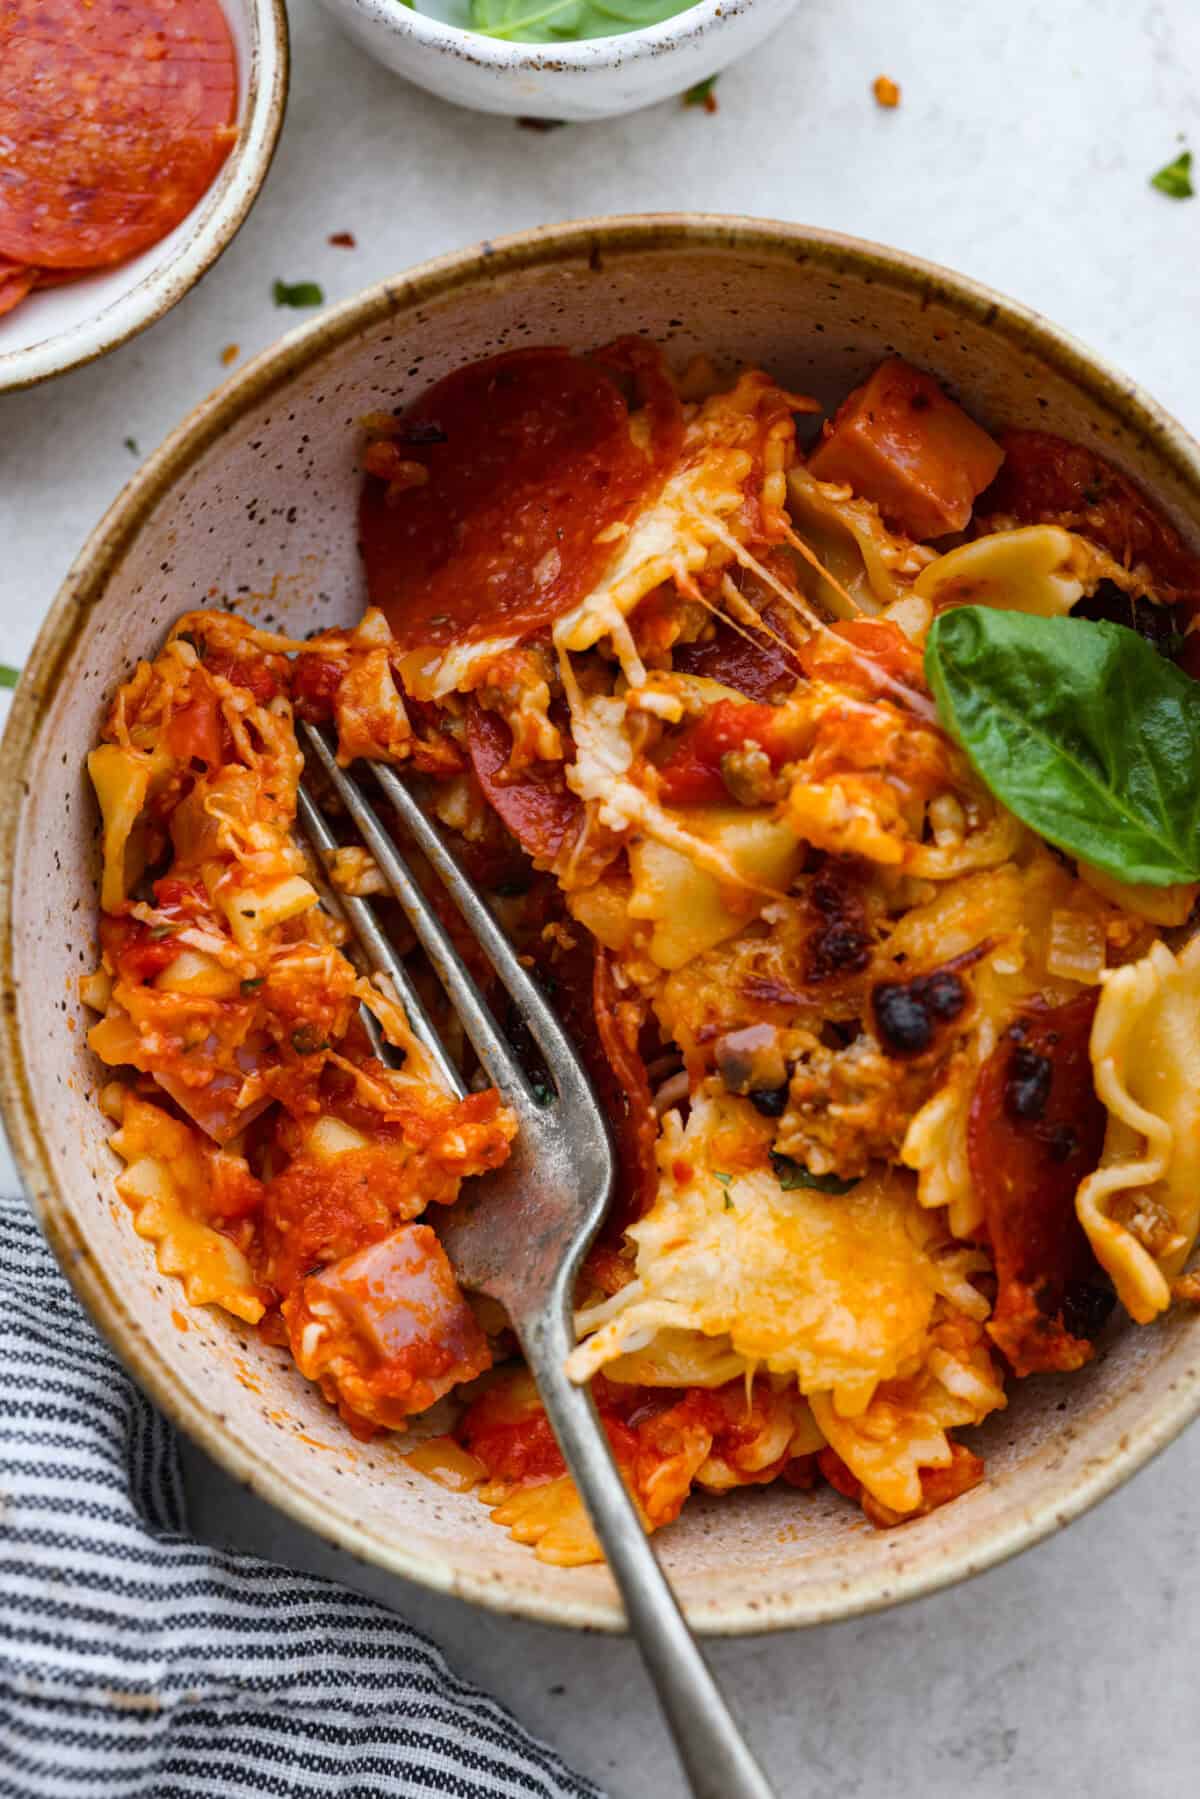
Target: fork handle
x,y
715,1756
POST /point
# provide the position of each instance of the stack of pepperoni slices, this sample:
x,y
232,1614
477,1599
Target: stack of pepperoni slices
x,y
115,117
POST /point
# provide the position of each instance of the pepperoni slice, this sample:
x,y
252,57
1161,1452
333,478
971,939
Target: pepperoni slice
x,y
16,280
758,664
114,118
1036,1128
532,457
1046,480
624,1089
538,807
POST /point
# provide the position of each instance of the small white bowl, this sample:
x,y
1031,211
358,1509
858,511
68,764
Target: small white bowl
x,y
62,327
596,79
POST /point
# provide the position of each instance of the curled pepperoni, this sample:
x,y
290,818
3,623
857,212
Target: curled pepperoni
x,y
1036,1128
624,1090
115,116
759,664
16,280
538,807
1046,480
533,465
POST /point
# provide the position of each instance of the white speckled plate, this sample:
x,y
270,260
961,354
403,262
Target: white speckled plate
x,y
63,327
253,497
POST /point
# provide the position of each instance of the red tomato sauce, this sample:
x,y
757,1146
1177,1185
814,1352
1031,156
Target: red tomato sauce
x,y
530,457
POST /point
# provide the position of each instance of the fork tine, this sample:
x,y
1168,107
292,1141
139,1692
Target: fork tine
x,y
491,1046
380,955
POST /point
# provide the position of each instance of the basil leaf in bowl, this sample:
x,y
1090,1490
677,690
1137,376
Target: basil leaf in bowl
x,y
1082,729
540,21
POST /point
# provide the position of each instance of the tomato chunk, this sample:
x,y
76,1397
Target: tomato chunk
x,y
194,731
1036,1128
900,441
690,775
1046,480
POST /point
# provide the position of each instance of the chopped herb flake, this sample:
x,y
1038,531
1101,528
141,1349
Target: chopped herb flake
x,y
131,445
253,985
702,95
298,293
719,1174
792,1175
1175,179
9,676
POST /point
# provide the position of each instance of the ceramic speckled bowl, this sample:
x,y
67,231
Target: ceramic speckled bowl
x,y
63,327
253,497
598,78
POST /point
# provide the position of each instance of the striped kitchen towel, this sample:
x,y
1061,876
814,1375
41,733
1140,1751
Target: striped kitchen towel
x,y
136,1663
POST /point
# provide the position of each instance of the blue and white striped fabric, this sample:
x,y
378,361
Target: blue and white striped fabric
x,y
137,1664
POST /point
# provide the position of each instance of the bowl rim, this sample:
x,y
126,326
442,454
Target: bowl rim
x,y
584,241
690,24
222,212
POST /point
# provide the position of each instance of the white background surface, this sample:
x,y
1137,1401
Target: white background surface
x,y
1020,155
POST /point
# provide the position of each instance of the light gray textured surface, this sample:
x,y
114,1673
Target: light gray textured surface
x,y
1020,155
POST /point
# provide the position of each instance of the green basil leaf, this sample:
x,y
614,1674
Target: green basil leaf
x,y
1080,728
792,1175
9,676
1175,180
540,21
298,293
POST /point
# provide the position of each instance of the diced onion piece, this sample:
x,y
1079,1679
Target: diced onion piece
x,y
120,778
95,990
251,913
1077,947
329,1137
191,971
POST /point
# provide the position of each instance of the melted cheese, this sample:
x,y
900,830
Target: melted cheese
x,y
672,538
837,1290
432,672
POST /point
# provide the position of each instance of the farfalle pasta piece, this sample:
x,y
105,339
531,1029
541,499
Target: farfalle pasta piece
x,y
903,1430
1141,1207
166,1176
864,560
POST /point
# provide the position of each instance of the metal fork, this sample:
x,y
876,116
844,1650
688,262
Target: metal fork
x,y
521,1233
